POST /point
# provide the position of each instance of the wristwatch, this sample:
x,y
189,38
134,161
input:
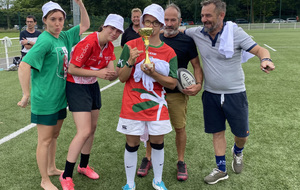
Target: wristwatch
x,y
128,65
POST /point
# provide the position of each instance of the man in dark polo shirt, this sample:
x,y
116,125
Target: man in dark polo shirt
x,y
132,31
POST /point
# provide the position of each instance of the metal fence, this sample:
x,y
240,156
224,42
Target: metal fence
x,y
10,50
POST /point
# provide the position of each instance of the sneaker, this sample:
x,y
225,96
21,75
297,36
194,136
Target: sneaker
x,y
89,172
145,166
215,176
237,162
159,186
67,184
182,174
126,187
13,67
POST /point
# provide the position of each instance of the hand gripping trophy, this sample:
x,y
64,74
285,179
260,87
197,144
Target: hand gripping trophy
x,y
146,33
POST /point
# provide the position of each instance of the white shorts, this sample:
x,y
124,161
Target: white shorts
x,y
137,128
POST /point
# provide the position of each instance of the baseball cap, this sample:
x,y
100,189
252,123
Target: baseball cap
x,y
114,20
154,10
47,7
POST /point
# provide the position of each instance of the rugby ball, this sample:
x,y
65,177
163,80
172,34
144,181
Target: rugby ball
x,y
184,79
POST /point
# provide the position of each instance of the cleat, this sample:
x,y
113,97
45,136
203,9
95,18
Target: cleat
x,y
182,174
89,172
146,165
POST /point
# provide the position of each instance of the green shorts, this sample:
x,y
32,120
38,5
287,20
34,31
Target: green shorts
x,y
177,106
49,119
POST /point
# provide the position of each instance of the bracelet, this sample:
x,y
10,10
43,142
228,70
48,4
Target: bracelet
x,y
128,65
198,82
266,59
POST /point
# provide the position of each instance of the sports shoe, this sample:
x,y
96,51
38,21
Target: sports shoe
x,y
13,67
126,187
182,174
145,166
237,162
67,184
215,176
89,172
159,186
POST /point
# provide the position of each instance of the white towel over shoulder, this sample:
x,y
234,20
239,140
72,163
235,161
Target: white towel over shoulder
x,y
227,43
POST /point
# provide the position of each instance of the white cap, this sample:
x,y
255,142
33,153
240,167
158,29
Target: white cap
x,y
114,20
47,7
154,10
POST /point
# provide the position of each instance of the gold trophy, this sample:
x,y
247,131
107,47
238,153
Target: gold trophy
x,y
146,33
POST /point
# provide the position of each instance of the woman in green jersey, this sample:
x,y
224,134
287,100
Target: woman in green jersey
x,y
46,65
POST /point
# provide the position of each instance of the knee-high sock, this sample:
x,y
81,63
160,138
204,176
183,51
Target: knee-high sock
x,y
157,158
130,161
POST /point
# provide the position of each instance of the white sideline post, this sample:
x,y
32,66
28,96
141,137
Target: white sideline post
x,y
76,14
6,54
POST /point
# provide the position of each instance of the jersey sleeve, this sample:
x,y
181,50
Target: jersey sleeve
x,y
173,67
35,57
124,56
244,40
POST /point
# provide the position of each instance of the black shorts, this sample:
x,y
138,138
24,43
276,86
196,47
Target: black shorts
x,y
83,97
230,107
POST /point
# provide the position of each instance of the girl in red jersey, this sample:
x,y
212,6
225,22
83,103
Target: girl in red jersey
x,y
144,105
92,58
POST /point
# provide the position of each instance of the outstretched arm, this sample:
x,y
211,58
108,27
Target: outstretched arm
x,y
263,54
84,17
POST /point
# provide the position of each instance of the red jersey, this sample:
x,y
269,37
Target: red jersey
x,y
88,54
138,103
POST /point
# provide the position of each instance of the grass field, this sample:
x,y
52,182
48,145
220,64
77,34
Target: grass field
x,y
271,155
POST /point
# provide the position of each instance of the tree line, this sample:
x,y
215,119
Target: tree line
x,y
251,10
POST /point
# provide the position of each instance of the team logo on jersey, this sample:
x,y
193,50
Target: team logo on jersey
x,y
93,58
107,58
120,62
152,53
84,50
62,54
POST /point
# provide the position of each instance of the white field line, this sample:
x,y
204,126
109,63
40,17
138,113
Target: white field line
x,y
24,129
270,47
15,134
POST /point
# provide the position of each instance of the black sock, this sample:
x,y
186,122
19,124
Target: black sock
x,y
69,169
84,160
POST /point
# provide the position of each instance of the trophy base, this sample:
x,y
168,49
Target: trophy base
x,y
150,65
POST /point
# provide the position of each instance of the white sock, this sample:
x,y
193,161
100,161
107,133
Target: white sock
x,y
157,158
130,162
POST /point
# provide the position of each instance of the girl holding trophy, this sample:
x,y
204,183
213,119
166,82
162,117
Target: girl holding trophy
x,y
146,69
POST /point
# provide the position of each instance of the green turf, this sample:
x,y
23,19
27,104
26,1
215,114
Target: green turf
x,y
271,154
